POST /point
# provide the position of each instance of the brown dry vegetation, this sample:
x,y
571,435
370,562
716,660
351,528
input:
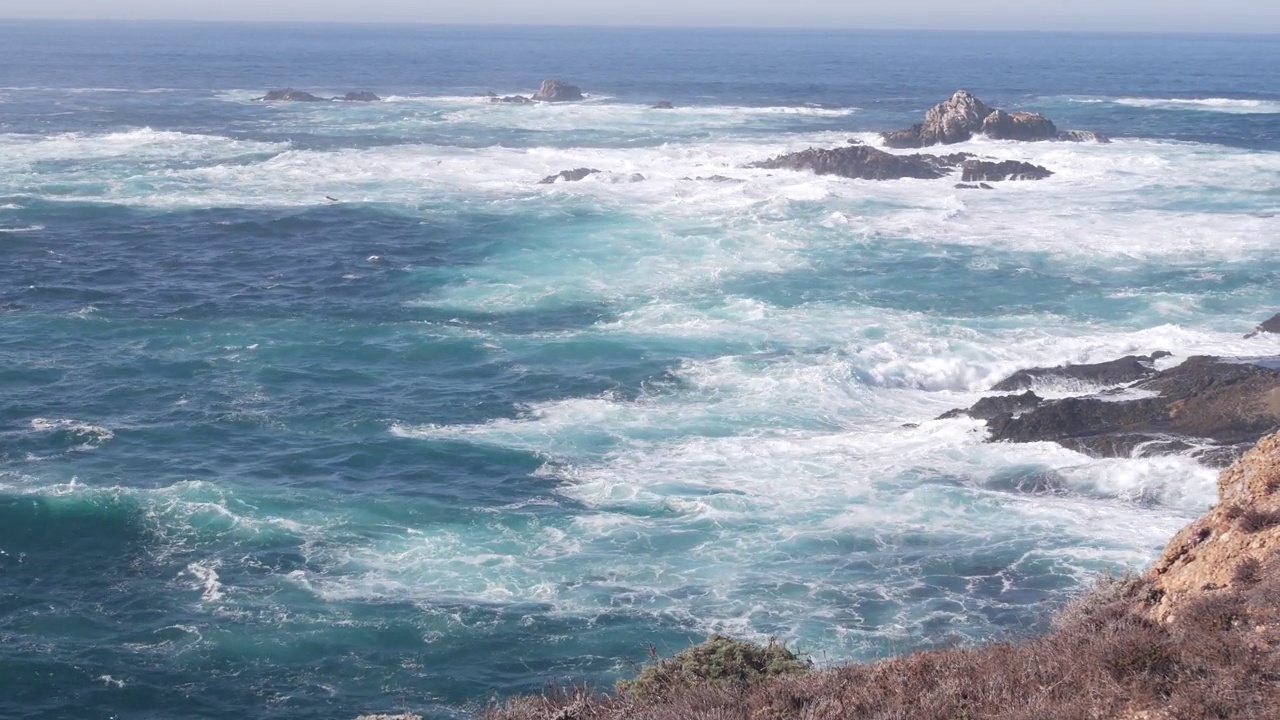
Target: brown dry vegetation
x,y
1197,638
1106,658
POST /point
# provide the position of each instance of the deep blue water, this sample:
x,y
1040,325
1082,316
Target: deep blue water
x,y
267,455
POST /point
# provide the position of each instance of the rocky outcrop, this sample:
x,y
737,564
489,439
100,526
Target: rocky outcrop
x,y
359,97
557,91
974,186
290,95
1083,136
1214,404
1268,326
1225,551
570,175
1025,126
512,100
865,163
1127,369
997,405
991,171
963,116
663,105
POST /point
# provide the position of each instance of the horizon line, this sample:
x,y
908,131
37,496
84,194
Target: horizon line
x,y
641,26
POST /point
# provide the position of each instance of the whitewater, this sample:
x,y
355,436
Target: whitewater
x,y
315,409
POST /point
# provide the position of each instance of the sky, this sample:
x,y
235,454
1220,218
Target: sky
x,y
1255,16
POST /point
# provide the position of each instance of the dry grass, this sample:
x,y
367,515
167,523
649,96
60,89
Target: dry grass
x,y
1219,657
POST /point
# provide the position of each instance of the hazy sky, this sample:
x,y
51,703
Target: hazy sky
x,y
1135,15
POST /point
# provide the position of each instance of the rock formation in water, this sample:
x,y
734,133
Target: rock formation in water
x,y
991,171
1083,136
557,91
570,175
290,95
1212,407
963,116
1271,325
359,97
866,163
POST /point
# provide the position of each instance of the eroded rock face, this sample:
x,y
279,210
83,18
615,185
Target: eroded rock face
x,y
905,139
866,163
290,95
1205,400
570,175
1224,551
360,97
1127,369
991,171
1025,126
557,91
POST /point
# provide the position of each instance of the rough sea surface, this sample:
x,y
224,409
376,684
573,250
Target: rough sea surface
x,y
267,455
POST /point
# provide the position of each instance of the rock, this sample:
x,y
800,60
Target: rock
x,y
1025,126
865,163
569,175
955,120
557,91
1268,326
990,171
290,95
1083,136
1214,555
401,716
906,139
360,97
512,100
1127,369
996,405
663,105
971,186
1228,404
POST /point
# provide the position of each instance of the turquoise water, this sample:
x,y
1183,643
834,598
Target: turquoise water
x,y
267,455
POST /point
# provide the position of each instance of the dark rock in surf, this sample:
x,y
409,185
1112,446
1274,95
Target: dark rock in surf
x,y
997,405
1268,326
290,95
359,97
951,121
990,171
663,105
1205,400
906,139
512,100
1024,126
865,163
1127,369
557,91
972,186
569,175
1082,136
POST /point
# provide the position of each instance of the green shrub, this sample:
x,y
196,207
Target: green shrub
x,y
719,660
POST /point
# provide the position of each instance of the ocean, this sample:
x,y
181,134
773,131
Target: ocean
x,y
453,433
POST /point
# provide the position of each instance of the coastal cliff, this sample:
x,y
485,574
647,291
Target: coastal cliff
x,y
1197,636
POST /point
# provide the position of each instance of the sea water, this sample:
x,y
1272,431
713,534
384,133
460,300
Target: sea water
x,y
313,409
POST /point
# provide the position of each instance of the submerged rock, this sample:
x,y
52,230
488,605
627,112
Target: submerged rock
x,y
512,100
1127,369
1083,136
972,186
865,163
290,95
570,175
990,171
359,97
557,91
663,105
1025,126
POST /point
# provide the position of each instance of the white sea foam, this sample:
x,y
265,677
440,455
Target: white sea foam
x,y
1223,105
207,580
92,435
